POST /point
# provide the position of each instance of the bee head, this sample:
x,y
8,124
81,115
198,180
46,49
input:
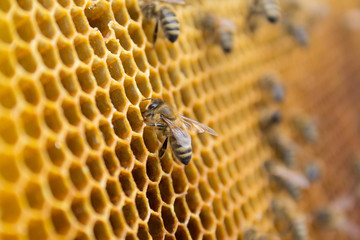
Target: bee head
x,y
154,103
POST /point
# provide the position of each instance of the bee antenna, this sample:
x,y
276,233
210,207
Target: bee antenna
x,y
145,99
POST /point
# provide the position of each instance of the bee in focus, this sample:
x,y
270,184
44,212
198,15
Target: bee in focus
x,y
312,171
288,179
284,147
174,127
334,217
271,84
288,220
255,234
165,16
219,30
270,8
269,117
306,127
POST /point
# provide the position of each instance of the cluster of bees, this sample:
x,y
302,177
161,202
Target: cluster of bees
x,y
283,173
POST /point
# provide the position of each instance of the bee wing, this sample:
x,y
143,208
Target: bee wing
x,y
179,133
189,123
291,176
181,2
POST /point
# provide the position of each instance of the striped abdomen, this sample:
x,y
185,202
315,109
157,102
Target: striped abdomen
x,y
272,10
226,41
182,148
300,228
169,23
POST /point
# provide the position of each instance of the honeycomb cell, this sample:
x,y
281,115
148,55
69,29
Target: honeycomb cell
x,y
103,103
60,221
92,137
139,176
229,225
136,34
47,53
178,180
153,196
134,117
94,164
55,152
117,223
128,64
151,56
166,190
107,132
123,37
101,231
6,63
63,22
97,43
164,77
142,206
186,94
127,183
143,232
58,186
174,75
79,20
45,23
113,46
121,126
208,158
5,35
85,79
5,5
153,168
8,131
220,232
110,161
207,217
155,81
87,107
10,208
194,228
100,72
169,219
78,208
161,53
133,10
156,227
71,112
191,173
205,191
24,27
34,195
129,212
36,229
81,236
8,168
99,15
68,82
50,86
193,199
64,3
82,49
26,59
25,4
130,236
123,153
78,176
7,96
138,148
214,181
52,118
150,139
181,209
115,67
118,97
32,158
182,233
114,192
97,200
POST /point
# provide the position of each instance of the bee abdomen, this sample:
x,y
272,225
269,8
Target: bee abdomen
x,y
182,150
272,10
300,229
169,24
226,41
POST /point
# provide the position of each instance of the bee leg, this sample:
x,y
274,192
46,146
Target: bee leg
x,y
158,125
156,30
163,148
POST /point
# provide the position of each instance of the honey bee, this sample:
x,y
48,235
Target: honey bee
x,y
290,180
270,8
219,30
272,85
255,234
288,220
334,217
285,147
174,127
164,15
269,117
305,127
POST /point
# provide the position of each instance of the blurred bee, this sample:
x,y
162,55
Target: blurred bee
x,y
300,33
164,15
269,117
285,147
334,217
254,234
312,171
288,179
220,30
305,127
287,220
270,8
272,85
174,127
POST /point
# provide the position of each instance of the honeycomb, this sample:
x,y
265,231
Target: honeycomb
x,y
77,161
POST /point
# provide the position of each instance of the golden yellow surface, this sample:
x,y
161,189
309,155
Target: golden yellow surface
x,y
76,160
